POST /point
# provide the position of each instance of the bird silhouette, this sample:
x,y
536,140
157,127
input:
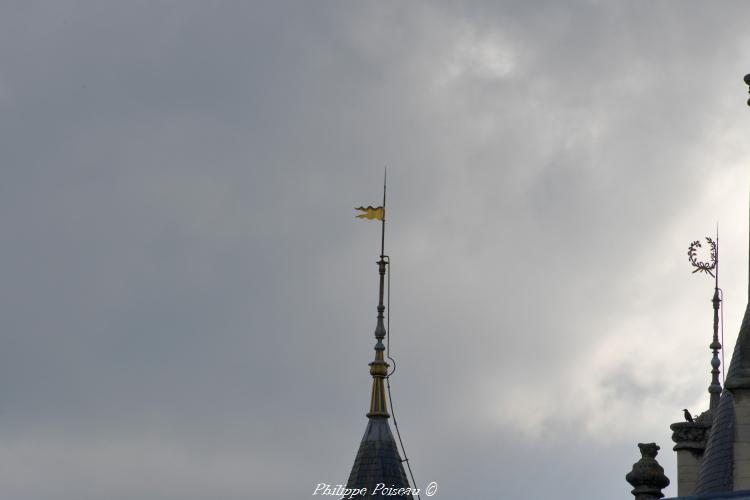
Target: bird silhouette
x,y
688,416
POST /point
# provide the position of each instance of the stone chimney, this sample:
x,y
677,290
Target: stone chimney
x,y
647,476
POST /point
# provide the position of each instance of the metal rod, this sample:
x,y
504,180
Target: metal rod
x,y
717,255
382,235
715,387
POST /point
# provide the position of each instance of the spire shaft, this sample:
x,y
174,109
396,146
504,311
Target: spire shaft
x,y
716,281
715,388
379,367
711,267
382,234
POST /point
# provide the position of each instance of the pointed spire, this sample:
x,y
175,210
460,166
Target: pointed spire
x,y
738,375
378,461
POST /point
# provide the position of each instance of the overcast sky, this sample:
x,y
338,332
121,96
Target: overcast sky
x,y
188,302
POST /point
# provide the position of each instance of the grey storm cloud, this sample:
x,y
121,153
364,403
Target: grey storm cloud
x,y
188,303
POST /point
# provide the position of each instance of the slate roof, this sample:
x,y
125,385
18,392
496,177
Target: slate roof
x,y
738,375
378,461
734,495
716,467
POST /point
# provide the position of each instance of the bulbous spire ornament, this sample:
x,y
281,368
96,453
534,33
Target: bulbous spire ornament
x,y
647,476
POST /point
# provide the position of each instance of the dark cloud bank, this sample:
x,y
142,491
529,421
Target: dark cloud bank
x,y
188,302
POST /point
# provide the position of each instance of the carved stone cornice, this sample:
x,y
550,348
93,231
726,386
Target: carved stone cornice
x,y
691,436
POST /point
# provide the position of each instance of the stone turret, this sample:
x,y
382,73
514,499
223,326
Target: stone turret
x,y
690,442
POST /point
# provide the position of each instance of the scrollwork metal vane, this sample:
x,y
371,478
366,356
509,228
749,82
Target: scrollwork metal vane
x,y
700,266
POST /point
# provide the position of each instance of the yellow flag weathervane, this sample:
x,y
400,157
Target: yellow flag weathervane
x,y
376,213
371,213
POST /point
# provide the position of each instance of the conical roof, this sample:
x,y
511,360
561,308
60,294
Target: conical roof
x,y
715,475
717,466
378,461
718,460
738,375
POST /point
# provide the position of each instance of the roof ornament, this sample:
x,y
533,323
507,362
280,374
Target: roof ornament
x,y
706,267
647,476
379,368
711,268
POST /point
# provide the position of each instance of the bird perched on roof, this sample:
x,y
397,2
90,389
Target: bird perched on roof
x,y
688,416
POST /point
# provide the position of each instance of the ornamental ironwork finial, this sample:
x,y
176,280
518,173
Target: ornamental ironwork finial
x,y
711,267
379,367
700,266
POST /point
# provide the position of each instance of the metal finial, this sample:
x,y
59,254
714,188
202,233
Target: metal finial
x,y
379,367
382,234
712,269
647,475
